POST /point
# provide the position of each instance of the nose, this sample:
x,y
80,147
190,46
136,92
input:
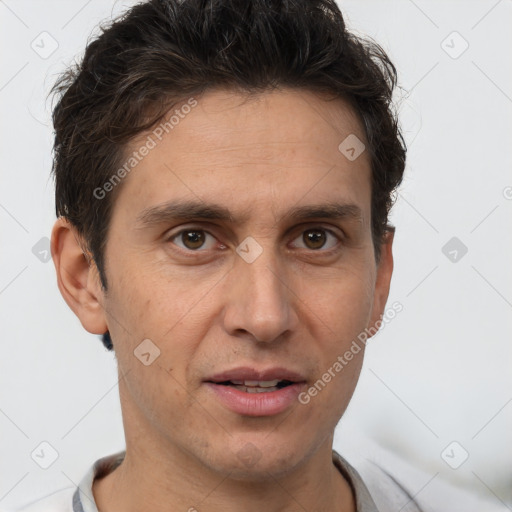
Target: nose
x,y
260,303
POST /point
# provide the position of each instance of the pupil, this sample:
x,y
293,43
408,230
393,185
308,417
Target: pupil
x,y
314,238
193,239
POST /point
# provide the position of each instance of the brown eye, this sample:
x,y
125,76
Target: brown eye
x,y
317,238
314,238
193,239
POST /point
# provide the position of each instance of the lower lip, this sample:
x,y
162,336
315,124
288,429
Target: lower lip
x,y
257,404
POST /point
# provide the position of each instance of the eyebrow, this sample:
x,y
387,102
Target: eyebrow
x,y
196,210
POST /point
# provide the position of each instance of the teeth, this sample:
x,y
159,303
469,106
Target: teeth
x,y
256,389
255,386
259,383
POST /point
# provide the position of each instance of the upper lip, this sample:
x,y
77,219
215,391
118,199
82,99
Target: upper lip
x,y
247,373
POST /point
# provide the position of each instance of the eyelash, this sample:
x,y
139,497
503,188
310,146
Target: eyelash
x,y
191,252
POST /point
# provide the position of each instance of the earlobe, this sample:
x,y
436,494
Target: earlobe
x,y
77,277
383,279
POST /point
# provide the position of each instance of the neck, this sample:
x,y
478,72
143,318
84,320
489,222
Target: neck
x,y
148,480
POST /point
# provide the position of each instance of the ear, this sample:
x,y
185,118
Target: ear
x,y
77,277
383,279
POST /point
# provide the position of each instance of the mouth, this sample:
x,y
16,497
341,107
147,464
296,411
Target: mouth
x,y
251,392
254,386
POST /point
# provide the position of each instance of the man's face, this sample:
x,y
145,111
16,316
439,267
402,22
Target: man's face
x,y
294,296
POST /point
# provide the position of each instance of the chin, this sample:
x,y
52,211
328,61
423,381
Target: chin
x,y
253,461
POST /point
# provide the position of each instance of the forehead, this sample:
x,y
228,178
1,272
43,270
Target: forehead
x,y
269,149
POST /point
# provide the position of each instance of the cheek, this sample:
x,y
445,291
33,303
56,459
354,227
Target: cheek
x,y
172,312
341,303
159,337
338,311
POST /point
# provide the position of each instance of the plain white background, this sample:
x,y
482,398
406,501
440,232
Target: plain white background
x,y
438,372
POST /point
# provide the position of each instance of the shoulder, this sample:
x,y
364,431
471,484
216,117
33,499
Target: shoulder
x,y
398,483
77,498
59,501
395,484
